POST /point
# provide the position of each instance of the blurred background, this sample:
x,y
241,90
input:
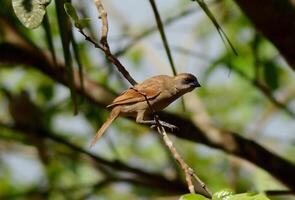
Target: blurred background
x,y
44,147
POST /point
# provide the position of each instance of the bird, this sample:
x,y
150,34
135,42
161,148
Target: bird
x,y
152,95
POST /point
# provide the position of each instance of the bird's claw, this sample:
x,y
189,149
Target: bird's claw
x,y
164,124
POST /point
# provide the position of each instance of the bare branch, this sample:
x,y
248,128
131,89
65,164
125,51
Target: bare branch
x,y
104,43
104,19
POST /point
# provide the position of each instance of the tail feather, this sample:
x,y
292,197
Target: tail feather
x,y
113,115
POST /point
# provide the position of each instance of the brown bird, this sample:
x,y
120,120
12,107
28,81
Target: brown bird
x,y
160,91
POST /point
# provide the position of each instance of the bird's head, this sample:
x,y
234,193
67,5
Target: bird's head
x,y
186,82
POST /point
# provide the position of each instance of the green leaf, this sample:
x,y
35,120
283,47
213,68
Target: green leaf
x,y
30,12
65,29
71,12
228,195
223,194
82,23
46,91
49,40
271,75
79,62
248,196
192,197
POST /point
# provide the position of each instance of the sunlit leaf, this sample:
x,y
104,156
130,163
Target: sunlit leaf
x,y
82,23
30,12
223,194
192,197
71,12
228,195
248,196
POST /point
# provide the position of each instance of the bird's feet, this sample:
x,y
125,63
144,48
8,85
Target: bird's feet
x,y
167,125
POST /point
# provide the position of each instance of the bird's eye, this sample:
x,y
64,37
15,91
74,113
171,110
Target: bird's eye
x,y
188,80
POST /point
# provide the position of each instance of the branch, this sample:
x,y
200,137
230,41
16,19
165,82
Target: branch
x,y
275,19
163,35
226,141
200,188
264,90
104,43
151,179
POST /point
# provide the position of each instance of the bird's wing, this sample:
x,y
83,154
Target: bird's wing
x,y
133,95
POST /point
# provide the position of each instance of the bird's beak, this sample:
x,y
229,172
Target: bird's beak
x,y
197,84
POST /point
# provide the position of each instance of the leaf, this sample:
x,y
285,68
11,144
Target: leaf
x,y
71,11
48,35
30,12
248,196
46,91
82,23
271,75
78,60
192,197
223,194
65,29
228,195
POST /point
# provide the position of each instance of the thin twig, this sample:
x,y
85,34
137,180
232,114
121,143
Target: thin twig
x,y
104,43
165,41
265,91
190,175
148,31
163,35
104,20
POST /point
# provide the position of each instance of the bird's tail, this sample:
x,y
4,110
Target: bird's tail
x,y
113,115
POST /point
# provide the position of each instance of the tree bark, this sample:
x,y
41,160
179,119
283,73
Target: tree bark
x,y
275,19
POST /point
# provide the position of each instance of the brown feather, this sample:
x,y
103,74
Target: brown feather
x,y
113,115
132,95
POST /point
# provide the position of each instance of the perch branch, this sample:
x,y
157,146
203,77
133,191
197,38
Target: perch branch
x,y
188,171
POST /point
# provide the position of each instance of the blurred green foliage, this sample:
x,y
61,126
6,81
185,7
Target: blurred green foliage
x,y
228,96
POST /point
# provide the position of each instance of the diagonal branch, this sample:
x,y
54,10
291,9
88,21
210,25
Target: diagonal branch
x,y
190,175
104,43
